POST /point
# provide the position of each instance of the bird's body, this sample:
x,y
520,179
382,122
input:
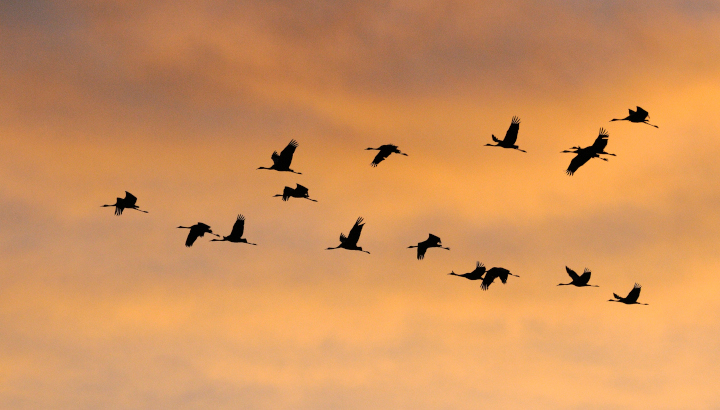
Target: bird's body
x,y
476,274
636,116
586,154
297,192
431,242
384,152
578,280
125,203
281,162
350,242
494,273
631,298
197,231
236,233
510,136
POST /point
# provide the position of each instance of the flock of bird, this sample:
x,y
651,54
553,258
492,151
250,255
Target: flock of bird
x,y
282,161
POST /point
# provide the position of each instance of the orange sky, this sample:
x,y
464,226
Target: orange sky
x,y
180,103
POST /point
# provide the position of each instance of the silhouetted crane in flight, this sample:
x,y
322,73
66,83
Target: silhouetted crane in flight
x,y
236,233
510,136
123,203
350,242
282,162
298,192
578,281
385,151
431,242
476,274
197,231
494,273
631,298
585,154
636,116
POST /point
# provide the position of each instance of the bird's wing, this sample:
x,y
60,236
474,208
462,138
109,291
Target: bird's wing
x,y
585,277
421,252
574,276
287,154
381,155
634,294
631,111
129,200
354,234
502,273
287,193
512,132
580,159
435,240
192,236
239,227
601,141
487,280
301,190
642,112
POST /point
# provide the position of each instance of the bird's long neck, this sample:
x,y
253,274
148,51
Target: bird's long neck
x,y
564,284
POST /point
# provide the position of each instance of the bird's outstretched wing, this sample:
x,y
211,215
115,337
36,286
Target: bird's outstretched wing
x,y
301,190
574,276
634,294
580,159
585,277
354,234
642,112
435,240
487,280
421,252
239,227
129,200
380,157
503,274
601,141
512,132
286,156
287,193
192,236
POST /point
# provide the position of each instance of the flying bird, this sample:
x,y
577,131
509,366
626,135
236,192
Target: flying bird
x,y
510,136
282,162
385,151
350,242
197,231
297,192
636,116
236,233
431,242
123,203
631,298
585,154
494,273
476,274
579,281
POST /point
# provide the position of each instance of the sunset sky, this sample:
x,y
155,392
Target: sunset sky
x,y
179,102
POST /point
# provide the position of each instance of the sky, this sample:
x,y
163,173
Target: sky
x,y
179,103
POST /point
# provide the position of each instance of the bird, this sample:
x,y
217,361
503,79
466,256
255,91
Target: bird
x,y
631,298
123,203
510,136
350,242
431,242
297,192
636,116
385,151
493,273
197,231
476,274
585,154
578,281
282,162
236,233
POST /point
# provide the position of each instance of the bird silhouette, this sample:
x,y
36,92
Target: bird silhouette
x,y
585,154
197,231
476,274
510,136
578,281
350,242
282,162
494,273
236,233
631,298
385,151
431,242
297,192
636,116
125,203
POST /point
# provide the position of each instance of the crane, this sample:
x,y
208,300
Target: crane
x,y
476,274
298,192
636,116
125,203
197,231
631,298
350,242
282,162
578,281
236,233
510,136
494,273
385,151
431,242
585,154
